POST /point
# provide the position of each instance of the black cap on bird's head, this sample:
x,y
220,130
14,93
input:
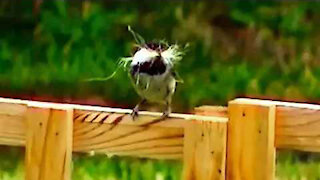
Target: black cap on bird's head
x,y
156,46
154,57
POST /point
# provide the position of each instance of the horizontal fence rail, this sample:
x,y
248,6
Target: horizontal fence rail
x,y
97,128
297,125
213,143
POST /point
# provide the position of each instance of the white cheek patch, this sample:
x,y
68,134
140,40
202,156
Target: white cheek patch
x,y
172,55
167,56
143,55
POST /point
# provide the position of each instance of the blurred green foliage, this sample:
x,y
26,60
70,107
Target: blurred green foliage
x,y
86,168
11,166
290,166
253,49
297,165
256,49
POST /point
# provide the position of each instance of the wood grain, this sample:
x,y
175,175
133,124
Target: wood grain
x,y
204,149
298,129
12,124
144,115
148,119
217,111
49,144
126,140
106,130
250,149
297,124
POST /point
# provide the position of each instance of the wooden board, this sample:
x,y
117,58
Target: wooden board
x,y
106,130
126,119
49,144
145,116
217,111
298,129
297,124
117,134
250,149
204,149
12,124
138,141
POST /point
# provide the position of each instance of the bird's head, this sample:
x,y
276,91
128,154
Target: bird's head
x,y
148,59
153,58
170,55
149,53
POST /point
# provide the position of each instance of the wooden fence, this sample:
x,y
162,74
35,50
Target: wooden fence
x,y
237,142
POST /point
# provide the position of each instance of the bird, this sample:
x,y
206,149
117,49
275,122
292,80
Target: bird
x,y
152,70
153,75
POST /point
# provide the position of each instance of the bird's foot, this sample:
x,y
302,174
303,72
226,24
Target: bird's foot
x,y
134,113
164,115
135,110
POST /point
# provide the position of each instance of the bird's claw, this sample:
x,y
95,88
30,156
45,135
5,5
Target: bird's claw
x,y
164,115
134,114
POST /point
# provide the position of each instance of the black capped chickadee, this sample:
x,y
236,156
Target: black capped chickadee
x,y
153,75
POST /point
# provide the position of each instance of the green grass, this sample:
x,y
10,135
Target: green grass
x,y
101,167
298,166
290,165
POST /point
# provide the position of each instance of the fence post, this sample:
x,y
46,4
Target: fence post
x,y
48,144
204,149
250,148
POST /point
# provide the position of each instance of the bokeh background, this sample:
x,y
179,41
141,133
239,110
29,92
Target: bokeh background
x,y
237,49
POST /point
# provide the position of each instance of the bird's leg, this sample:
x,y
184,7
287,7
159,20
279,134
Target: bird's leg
x,y
135,110
167,111
163,117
